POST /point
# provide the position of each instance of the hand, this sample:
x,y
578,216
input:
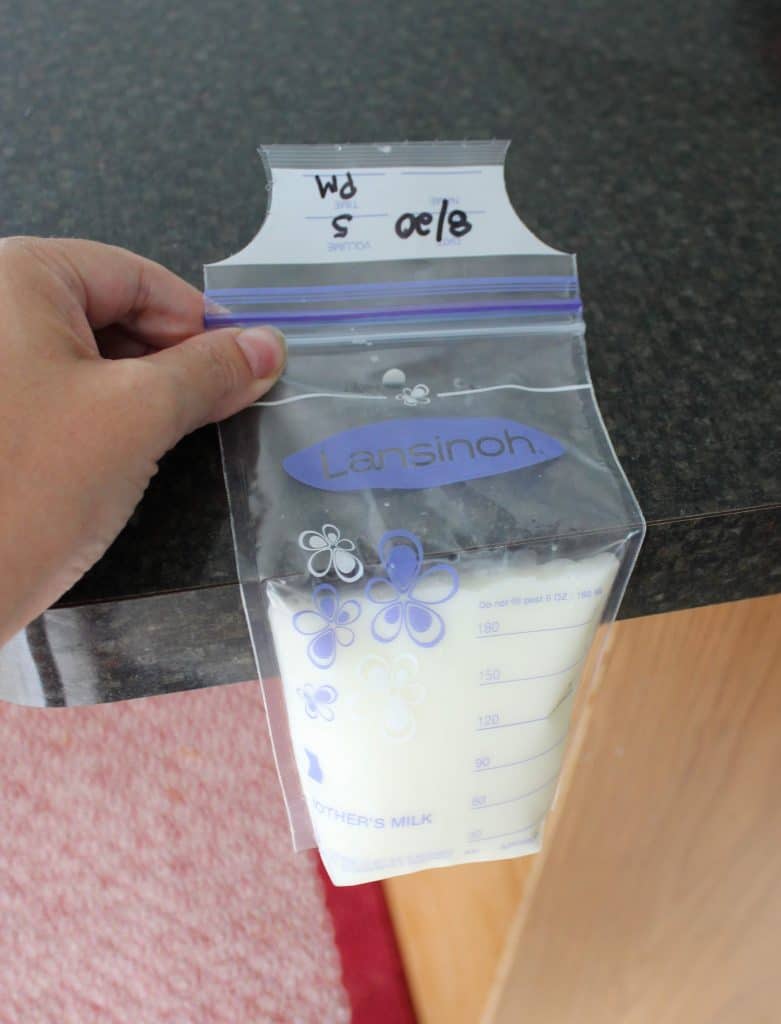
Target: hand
x,y
103,368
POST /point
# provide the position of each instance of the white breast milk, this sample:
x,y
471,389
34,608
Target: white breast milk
x,y
414,757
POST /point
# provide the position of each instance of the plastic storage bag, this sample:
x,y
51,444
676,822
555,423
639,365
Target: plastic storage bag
x,y
430,522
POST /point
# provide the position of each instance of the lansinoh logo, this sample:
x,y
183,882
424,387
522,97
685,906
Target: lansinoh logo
x,y
416,453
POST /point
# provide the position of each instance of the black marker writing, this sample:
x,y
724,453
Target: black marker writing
x,y
459,223
455,222
409,223
339,224
346,191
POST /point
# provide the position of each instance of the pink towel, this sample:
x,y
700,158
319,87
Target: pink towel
x,y
146,873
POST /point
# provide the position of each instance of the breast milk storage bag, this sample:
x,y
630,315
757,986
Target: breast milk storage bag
x,y
429,519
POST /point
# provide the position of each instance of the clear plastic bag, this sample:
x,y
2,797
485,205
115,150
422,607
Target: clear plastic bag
x,y
429,519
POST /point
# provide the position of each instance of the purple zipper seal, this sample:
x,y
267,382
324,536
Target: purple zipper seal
x,y
282,317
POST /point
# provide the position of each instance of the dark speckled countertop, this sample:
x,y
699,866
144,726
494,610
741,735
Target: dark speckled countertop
x,y
645,138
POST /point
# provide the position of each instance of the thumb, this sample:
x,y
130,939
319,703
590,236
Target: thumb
x,y
215,374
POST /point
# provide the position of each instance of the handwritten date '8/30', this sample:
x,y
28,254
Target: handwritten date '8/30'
x,y
438,224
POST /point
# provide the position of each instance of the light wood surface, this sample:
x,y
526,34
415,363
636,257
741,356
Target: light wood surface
x,y
452,925
658,892
657,897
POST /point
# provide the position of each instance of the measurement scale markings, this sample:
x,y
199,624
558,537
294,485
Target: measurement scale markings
x,y
527,721
527,679
509,725
524,760
522,632
515,831
513,799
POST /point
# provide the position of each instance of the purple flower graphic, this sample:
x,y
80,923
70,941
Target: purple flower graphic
x,y
330,550
406,593
328,624
317,701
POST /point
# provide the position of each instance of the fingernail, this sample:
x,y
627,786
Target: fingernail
x,y
214,308
264,350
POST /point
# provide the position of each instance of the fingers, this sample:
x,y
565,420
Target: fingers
x,y
209,377
115,286
116,342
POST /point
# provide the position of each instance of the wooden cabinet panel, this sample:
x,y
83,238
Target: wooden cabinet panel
x,y
657,896
452,925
